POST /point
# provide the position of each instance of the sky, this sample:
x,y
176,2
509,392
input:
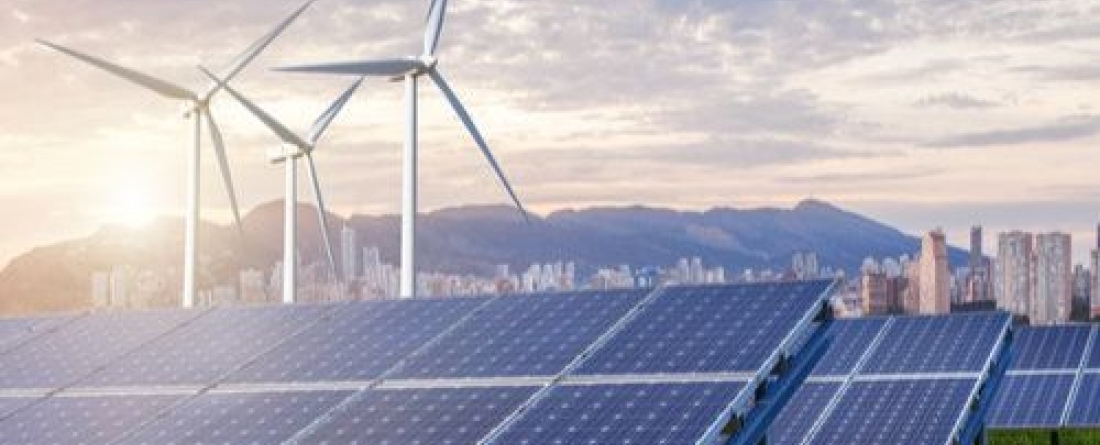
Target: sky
x,y
919,113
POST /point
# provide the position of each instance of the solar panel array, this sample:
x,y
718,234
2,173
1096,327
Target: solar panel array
x,y
893,381
1050,384
456,371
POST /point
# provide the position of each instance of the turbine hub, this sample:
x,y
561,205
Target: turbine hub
x,y
284,153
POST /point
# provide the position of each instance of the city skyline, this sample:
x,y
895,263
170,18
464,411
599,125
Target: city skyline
x,y
896,114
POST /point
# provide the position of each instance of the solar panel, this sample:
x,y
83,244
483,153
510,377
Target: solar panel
x,y
651,414
848,342
896,412
958,343
708,329
9,405
1031,401
1050,347
359,341
238,418
1094,354
81,420
800,414
209,347
1086,408
535,335
15,331
440,416
63,356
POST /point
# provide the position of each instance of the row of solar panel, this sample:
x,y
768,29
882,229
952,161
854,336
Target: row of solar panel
x,y
893,381
691,329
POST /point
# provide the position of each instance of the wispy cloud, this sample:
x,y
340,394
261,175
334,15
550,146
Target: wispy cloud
x,y
1067,129
955,100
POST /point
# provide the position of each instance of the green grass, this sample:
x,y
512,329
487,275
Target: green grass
x,y
1044,437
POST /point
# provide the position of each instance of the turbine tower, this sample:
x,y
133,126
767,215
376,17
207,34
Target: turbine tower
x,y
295,148
410,69
198,107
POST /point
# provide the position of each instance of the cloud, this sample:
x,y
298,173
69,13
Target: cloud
x,y
1071,73
955,100
861,177
1067,129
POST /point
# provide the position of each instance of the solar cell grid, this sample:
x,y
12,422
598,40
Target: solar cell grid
x,y
9,405
1050,347
958,343
80,420
523,335
206,349
652,414
1086,408
848,342
359,342
449,416
1024,401
707,329
62,356
902,412
15,331
1094,354
238,418
800,414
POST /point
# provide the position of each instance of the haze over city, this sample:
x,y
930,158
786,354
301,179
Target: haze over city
x,y
919,114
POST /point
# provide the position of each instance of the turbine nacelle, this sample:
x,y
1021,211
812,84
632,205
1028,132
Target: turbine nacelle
x,y
286,152
194,107
424,63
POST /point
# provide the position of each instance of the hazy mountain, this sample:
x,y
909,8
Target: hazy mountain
x,y
469,240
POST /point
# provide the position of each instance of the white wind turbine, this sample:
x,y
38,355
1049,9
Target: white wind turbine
x,y
197,106
295,148
410,69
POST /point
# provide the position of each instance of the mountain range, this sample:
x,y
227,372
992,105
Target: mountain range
x,y
469,240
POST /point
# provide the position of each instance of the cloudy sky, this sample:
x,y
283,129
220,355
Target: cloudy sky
x,y
921,113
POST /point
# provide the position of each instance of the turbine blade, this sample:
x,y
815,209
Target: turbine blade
x,y
436,17
161,87
373,68
460,110
322,215
223,165
277,127
330,114
254,50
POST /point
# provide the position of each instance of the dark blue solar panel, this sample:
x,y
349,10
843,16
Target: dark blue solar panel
x,y
208,348
523,335
81,420
9,405
651,414
65,355
359,342
1050,347
1086,408
450,416
955,343
16,331
848,342
238,418
732,328
1031,401
1094,355
897,412
800,413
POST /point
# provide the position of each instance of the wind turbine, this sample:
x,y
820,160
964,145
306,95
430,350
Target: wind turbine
x,y
410,69
295,148
197,106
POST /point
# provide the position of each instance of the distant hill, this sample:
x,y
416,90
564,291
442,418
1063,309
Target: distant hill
x,y
470,240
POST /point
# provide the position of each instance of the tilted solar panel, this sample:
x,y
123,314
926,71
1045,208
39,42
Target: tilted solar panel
x,y
257,418
9,405
1031,401
65,355
535,335
81,420
899,412
16,331
695,329
1086,408
958,343
848,342
1050,347
359,341
207,348
651,414
441,416
1094,354
799,416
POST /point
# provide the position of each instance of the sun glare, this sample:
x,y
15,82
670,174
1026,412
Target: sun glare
x,y
132,207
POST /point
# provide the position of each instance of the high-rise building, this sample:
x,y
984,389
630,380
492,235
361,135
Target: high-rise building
x,y
698,275
910,299
349,253
1014,272
805,265
977,260
935,276
977,284
1082,292
1052,298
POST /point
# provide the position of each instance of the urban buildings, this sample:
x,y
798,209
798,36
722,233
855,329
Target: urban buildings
x,y
1015,257
1035,276
935,275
